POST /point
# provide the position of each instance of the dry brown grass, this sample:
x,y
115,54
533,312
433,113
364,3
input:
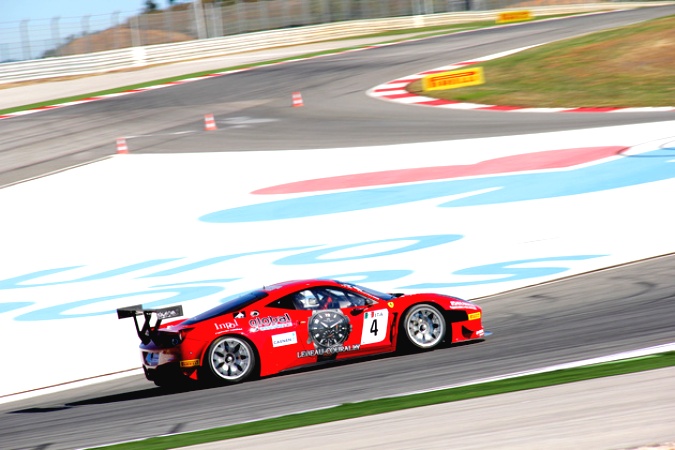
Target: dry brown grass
x,y
632,66
118,37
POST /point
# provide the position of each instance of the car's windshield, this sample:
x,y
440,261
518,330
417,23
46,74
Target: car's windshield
x,y
373,292
230,305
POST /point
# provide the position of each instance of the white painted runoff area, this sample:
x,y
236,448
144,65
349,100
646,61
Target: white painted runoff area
x,y
78,244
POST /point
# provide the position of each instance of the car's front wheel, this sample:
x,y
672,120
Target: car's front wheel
x,y
423,327
230,359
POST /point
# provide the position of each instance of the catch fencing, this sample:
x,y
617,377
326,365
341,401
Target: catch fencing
x,y
36,39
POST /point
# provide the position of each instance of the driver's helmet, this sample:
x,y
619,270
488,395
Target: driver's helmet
x,y
325,300
306,300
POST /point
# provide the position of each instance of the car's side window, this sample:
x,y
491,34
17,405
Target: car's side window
x,y
357,300
323,298
284,303
306,299
328,298
345,299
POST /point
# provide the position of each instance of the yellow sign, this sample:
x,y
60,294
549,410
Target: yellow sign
x,y
514,16
474,316
453,79
189,363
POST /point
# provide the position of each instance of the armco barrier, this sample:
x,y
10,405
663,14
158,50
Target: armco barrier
x,y
135,57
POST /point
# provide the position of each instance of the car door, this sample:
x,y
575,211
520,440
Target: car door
x,y
352,324
280,332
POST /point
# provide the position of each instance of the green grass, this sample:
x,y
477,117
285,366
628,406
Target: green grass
x,y
626,67
372,407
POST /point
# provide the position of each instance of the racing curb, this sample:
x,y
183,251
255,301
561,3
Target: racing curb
x,y
395,91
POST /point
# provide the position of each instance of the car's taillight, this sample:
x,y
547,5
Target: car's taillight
x,y
182,333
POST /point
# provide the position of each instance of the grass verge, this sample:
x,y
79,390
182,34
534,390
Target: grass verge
x,y
372,407
631,66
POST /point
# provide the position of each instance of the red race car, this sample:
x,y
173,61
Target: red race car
x,y
295,324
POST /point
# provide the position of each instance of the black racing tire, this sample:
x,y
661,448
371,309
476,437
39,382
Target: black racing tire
x,y
423,328
230,359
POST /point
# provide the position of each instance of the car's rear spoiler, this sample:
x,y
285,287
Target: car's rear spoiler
x,y
148,332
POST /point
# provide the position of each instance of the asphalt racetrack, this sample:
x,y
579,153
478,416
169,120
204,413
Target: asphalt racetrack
x,y
253,108
595,314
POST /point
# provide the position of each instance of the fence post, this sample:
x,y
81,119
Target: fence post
x,y
306,14
347,10
85,34
199,19
114,23
217,20
56,36
135,32
286,16
263,17
25,39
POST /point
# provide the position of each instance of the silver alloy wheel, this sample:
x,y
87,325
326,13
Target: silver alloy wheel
x,y
424,326
231,359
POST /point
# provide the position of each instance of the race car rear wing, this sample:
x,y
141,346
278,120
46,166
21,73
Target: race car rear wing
x,y
149,331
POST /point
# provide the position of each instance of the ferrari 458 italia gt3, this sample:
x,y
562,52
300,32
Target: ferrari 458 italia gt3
x,y
294,324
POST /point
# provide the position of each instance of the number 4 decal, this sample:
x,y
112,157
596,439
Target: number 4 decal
x,y
374,322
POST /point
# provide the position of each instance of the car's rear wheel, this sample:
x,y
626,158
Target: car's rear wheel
x,y
230,359
423,327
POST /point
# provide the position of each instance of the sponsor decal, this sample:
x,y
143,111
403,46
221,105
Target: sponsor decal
x,y
329,328
279,340
456,304
480,332
270,322
226,326
328,351
168,313
390,304
474,316
454,79
372,314
239,315
374,326
255,313
514,16
189,363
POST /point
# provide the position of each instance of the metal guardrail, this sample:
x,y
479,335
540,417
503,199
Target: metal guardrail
x,y
135,57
